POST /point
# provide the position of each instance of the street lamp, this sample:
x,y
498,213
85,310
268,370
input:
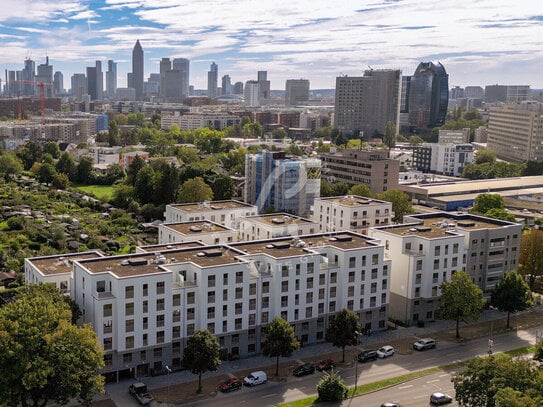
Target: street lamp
x,y
356,365
168,390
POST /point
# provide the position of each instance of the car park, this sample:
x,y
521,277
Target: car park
x,y
325,364
230,384
385,352
424,343
255,378
302,370
367,355
437,399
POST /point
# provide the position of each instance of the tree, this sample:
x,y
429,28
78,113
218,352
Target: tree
x,y
46,173
201,354
279,340
339,188
401,204
389,139
501,214
60,181
84,170
361,190
66,165
331,387
52,148
485,202
511,294
485,156
144,187
194,190
10,165
530,259
344,330
113,134
223,186
415,140
538,353
43,357
133,168
461,298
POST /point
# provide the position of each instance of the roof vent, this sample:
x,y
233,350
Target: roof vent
x,y
278,221
344,238
281,245
465,224
423,228
195,228
137,262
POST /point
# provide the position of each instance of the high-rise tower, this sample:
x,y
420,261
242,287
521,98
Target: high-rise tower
x,y
212,79
182,65
137,70
111,78
296,91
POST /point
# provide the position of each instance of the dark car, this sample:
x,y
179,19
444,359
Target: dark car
x,y
438,399
302,370
367,355
325,364
230,384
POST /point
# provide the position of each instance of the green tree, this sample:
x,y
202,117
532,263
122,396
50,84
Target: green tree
x,y
201,354
279,134
389,138
46,173
43,357
415,140
30,153
52,148
60,181
331,387
401,204
344,330
188,155
10,165
223,186
538,353
361,190
84,170
339,188
485,156
113,134
484,202
135,166
194,190
144,187
66,165
326,188
508,397
530,258
123,196
461,299
501,214
511,294
279,340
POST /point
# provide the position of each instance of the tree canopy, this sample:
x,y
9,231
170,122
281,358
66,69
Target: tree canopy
x,y
344,330
194,190
43,357
280,340
485,202
361,190
201,354
461,298
401,204
530,258
511,294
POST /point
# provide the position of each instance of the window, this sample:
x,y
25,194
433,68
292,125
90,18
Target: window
x,y
455,248
351,276
211,297
252,304
418,266
176,316
284,271
145,306
129,342
145,322
352,262
225,279
284,301
265,317
107,310
266,287
129,308
160,287
225,310
333,278
374,273
129,325
284,286
239,293
129,291
265,302
160,304
210,312
252,289
322,279
225,295
308,298
108,327
237,325
350,291
310,267
309,282
160,320
308,312
437,250
211,327
190,329
127,358
190,298
108,343
239,308
176,332
436,264
375,259
160,338
190,313
211,281
239,277
176,300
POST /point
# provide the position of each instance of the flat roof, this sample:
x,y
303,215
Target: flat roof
x,y
211,206
151,263
196,228
426,230
352,200
463,221
62,263
170,246
280,219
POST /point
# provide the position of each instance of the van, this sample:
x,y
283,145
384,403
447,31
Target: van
x,y
255,378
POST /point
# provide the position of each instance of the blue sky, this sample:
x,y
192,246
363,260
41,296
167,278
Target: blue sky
x,y
479,42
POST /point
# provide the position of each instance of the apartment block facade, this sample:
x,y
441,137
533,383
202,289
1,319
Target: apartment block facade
x,y
200,230
274,225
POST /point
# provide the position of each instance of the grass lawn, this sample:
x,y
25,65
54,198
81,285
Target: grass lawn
x,y
99,191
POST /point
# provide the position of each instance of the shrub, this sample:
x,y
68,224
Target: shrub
x,y
331,387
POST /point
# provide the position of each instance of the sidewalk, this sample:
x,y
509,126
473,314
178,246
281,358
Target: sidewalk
x,y
179,387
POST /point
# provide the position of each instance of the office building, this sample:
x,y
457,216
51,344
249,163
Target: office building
x,y
238,88
515,131
474,92
45,75
367,103
226,87
264,86
456,93
212,80
137,70
95,81
296,92
372,167
251,94
193,121
428,96
182,66
79,85
111,78
28,74
351,212
290,184
506,93
58,83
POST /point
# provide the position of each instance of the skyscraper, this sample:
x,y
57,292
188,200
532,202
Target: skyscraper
x,y
226,88
165,66
28,74
58,83
428,96
264,85
79,85
45,75
182,65
111,78
251,93
212,79
296,91
95,81
137,70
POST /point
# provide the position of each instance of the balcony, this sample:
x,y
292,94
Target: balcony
x,y
103,295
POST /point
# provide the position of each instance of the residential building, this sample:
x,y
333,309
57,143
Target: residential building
x,y
272,225
226,213
192,121
454,136
296,92
351,212
288,184
515,131
428,96
492,245
372,167
443,158
367,103
127,158
212,80
203,231
137,70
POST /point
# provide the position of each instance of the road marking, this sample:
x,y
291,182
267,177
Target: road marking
x,y
419,397
405,387
432,381
268,395
427,359
444,375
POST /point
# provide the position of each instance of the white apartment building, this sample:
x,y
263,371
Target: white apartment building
x,y
351,212
492,245
144,306
423,256
451,159
227,213
195,120
206,232
275,225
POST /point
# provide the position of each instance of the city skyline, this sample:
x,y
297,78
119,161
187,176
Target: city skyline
x,y
480,43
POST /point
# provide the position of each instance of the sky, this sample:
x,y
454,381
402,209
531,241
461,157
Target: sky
x,y
479,42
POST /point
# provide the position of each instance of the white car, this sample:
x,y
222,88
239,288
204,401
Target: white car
x,y
385,352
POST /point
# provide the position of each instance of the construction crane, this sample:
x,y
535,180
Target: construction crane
x,y
41,86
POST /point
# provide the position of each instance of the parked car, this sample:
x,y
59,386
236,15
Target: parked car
x,y
390,404
230,384
424,343
385,352
438,399
302,370
140,393
256,378
367,355
325,364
